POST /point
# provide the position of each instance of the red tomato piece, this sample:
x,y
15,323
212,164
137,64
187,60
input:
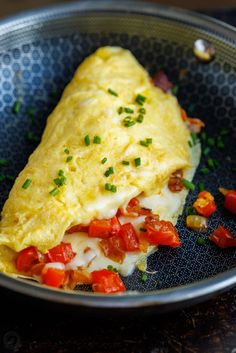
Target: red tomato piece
x,y
230,201
53,277
223,238
106,281
104,228
27,258
205,204
77,228
113,248
129,236
175,183
162,233
134,209
61,253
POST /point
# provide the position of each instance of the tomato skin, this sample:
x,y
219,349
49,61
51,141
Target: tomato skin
x,y
113,248
106,281
134,209
223,238
162,233
77,228
230,201
129,236
61,253
104,228
27,258
53,277
205,204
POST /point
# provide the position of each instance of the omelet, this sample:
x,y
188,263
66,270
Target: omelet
x,y
113,136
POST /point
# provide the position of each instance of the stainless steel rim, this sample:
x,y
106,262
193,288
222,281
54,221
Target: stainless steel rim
x,y
197,291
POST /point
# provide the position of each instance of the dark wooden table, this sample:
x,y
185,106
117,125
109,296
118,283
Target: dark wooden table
x,y
28,326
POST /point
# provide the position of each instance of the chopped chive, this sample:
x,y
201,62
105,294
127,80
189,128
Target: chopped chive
x,y
140,99
16,107
224,131
190,144
26,184
142,110
97,140
60,181
54,192
112,92
140,118
125,162
61,172
194,138
149,140
110,187
203,135
175,90
120,110
201,187
210,142
87,140
103,161
66,151
216,163
144,277
211,163
2,177
69,159
3,162
129,123
200,241
143,143
113,188
111,268
31,137
190,211
204,170
137,162
31,111
143,230
128,110
206,151
220,144
188,185
109,171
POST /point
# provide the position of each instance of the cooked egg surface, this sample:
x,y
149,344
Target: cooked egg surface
x,y
33,216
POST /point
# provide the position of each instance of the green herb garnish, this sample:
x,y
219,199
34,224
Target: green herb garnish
x,y
3,162
26,184
188,185
111,268
175,90
194,138
144,277
190,211
128,110
206,151
54,192
203,135
113,93
142,110
211,142
120,110
204,170
212,163
140,118
140,99
60,172
103,161
201,187
220,144
60,181
137,162
125,162
110,187
200,241
16,107
67,151
69,159
97,140
87,140
109,171
190,144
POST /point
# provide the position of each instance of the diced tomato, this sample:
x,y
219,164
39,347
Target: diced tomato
x,y
161,80
134,209
162,233
61,253
27,258
37,269
230,201
104,228
77,228
205,204
223,238
129,236
175,183
53,277
106,281
143,242
194,124
113,248
77,277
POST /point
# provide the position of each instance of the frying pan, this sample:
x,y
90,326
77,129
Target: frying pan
x,y
39,52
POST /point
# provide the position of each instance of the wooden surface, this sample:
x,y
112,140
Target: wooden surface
x,y
28,326
9,7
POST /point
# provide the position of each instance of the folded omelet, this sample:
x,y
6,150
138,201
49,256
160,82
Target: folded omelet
x,y
87,127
